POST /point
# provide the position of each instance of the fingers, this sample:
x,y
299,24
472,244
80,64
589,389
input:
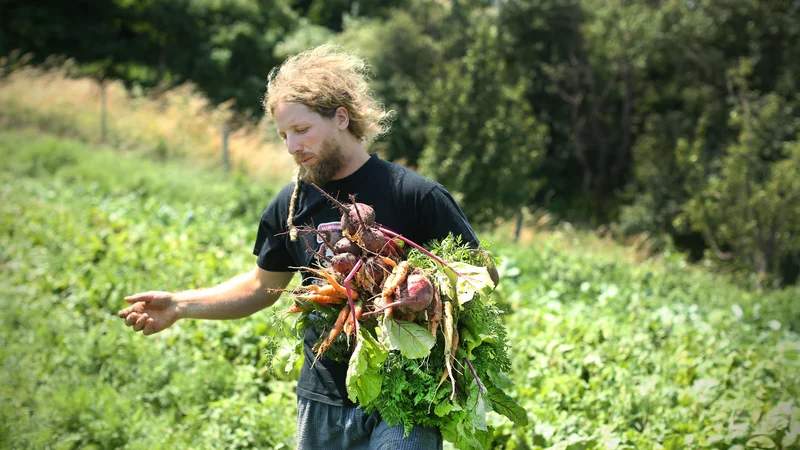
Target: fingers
x,y
150,327
140,322
123,313
131,319
140,297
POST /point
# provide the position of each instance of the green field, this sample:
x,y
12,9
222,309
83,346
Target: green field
x,y
606,353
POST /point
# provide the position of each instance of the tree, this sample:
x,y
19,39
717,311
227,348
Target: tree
x,y
745,202
484,141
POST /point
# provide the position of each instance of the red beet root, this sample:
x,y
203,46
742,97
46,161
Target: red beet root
x,y
344,262
376,269
373,240
414,294
355,216
345,245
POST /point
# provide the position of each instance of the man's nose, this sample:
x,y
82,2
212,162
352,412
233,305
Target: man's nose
x,y
294,145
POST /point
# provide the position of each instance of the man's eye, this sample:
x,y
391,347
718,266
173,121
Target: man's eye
x,y
302,130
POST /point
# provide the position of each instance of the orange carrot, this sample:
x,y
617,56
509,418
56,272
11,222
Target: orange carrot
x,y
324,289
295,308
325,299
397,276
332,280
348,325
389,262
335,331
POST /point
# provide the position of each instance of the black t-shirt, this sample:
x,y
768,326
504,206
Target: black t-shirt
x,y
404,201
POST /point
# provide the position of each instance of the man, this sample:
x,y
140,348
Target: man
x,y
325,113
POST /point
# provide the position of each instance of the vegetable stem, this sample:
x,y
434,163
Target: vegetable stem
x,y
350,298
481,388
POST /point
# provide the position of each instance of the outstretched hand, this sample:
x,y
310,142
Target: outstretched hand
x,y
150,312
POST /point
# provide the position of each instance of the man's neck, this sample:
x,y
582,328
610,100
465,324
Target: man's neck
x,y
355,156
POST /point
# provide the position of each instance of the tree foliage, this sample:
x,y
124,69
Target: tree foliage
x,y
588,108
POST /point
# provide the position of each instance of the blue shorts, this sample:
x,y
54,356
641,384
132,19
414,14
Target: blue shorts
x,y
322,427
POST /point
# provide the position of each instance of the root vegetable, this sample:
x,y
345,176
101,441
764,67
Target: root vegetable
x,y
354,215
372,239
450,343
331,280
325,289
343,263
415,294
434,313
412,296
335,331
348,324
326,300
398,275
295,308
389,262
372,273
345,245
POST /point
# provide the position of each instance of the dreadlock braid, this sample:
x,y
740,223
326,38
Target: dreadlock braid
x,y
295,193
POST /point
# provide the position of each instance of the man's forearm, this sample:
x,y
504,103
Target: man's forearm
x,y
236,298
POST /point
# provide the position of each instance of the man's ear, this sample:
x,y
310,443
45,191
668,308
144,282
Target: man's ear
x,y
342,118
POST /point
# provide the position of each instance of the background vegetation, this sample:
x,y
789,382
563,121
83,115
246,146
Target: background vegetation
x,y
672,127
675,119
607,353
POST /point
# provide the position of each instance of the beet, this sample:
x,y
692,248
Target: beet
x,y
390,248
334,236
373,239
345,245
377,269
372,273
414,294
344,262
356,215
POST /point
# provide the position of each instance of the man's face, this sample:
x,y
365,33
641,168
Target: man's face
x,y
312,140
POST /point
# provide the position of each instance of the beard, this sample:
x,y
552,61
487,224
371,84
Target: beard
x,y
329,162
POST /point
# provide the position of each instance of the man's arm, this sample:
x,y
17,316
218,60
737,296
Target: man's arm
x,y
238,297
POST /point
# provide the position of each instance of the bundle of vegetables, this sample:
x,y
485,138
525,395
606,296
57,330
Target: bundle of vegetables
x,y
426,345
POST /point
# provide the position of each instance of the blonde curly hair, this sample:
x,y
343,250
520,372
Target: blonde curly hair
x,y
325,78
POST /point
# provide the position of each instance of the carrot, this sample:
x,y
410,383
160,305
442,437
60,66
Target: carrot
x,y
295,308
335,331
389,262
325,289
332,280
397,276
325,299
450,343
434,313
348,325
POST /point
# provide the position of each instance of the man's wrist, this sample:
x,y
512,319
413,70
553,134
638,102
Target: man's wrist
x,y
182,305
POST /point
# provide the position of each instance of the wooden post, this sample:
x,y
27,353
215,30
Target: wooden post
x,y
518,231
225,159
102,111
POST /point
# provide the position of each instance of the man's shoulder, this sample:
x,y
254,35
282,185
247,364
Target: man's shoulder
x,y
281,200
407,180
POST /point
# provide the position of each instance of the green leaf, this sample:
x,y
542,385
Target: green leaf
x,y
413,340
505,405
469,280
761,442
444,408
364,376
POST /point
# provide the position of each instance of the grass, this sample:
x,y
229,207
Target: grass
x,y
164,124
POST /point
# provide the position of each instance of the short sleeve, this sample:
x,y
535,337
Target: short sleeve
x,y
270,246
442,217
